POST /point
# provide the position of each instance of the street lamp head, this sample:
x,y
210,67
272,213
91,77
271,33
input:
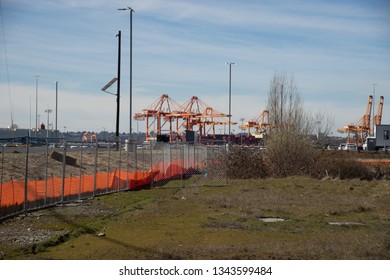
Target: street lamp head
x,y
230,63
109,84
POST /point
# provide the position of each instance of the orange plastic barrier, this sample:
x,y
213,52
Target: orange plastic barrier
x,y
12,193
376,162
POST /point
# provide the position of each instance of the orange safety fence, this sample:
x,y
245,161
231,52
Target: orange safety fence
x,y
12,193
167,170
376,162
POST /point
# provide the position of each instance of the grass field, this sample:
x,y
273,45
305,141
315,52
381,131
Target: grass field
x,y
318,219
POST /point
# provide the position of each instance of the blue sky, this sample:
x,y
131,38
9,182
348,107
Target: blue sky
x,y
335,50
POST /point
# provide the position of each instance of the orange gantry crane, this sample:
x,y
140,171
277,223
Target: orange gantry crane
x,y
358,132
192,113
260,123
195,112
158,114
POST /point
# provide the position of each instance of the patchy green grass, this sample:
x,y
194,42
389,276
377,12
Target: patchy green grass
x,y
220,222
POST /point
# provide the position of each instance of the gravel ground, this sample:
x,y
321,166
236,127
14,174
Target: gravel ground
x,y
22,230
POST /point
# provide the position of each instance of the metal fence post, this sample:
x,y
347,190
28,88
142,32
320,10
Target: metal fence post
x,y
108,166
225,165
95,169
47,166
81,171
63,172
136,162
151,164
26,175
127,145
183,165
195,157
170,160
119,164
2,173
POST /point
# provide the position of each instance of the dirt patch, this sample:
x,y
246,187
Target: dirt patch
x,y
24,235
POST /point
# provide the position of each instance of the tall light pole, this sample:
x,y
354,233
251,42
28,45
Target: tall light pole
x,y
29,132
131,66
56,130
36,104
48,111
118,90
110,83
230,95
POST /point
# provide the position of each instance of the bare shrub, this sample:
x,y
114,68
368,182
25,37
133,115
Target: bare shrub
x,y
346,169
246,163
289,153
288,150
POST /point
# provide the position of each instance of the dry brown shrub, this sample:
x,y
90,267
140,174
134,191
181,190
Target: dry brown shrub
x,y
347,168
288,153
246,163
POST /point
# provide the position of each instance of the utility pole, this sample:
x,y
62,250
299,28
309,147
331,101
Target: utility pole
x,y
118,91
36,104
131,67
118,95
56,130
230,96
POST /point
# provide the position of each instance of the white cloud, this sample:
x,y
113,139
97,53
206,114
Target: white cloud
x,y
334,50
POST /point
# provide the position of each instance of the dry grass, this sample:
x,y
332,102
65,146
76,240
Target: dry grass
x,y
220,223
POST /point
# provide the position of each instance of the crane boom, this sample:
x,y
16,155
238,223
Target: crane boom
x,y
367,117
378,116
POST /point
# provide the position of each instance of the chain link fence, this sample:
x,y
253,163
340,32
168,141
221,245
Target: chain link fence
x,y
39,173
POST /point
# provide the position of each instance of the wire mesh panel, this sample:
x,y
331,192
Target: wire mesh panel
x,y
216,169
12,176
47,172
143,169
42,177
161,156
207,164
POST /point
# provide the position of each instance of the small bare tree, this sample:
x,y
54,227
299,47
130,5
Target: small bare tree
x,y
288,149
286,110
285,106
